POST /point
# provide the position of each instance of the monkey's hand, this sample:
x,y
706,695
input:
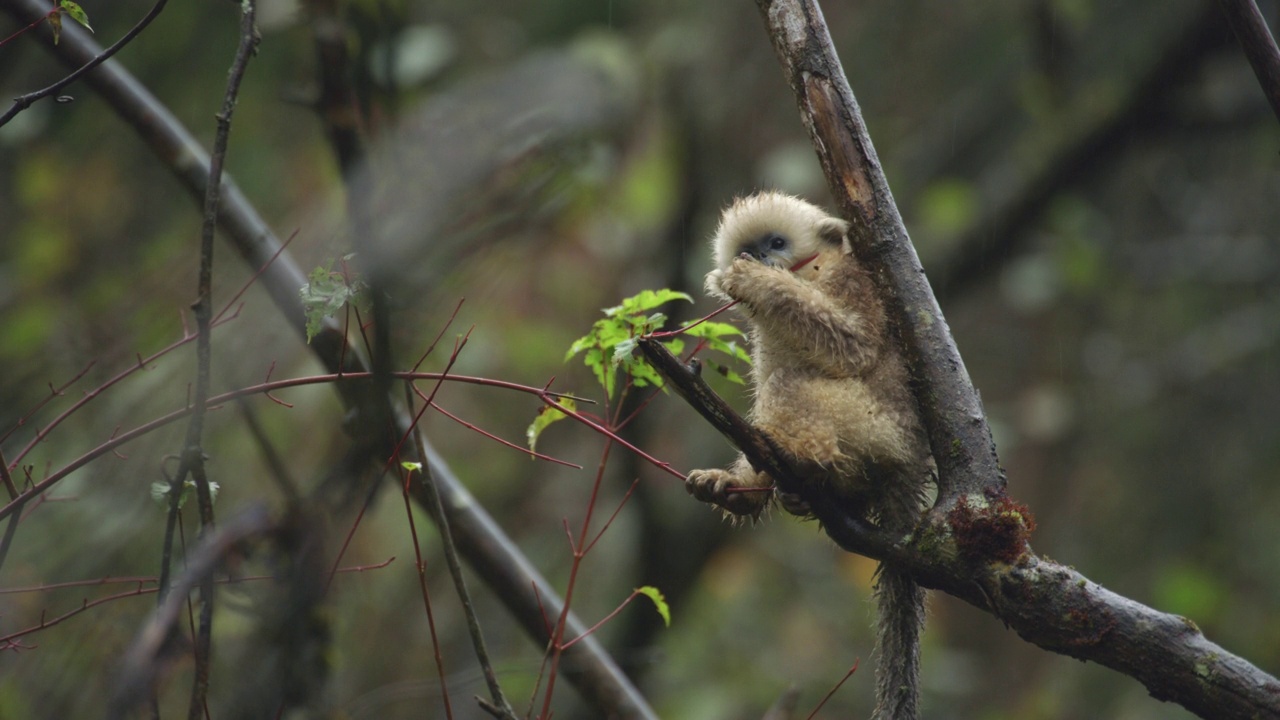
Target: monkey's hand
x,y
749,280
712,286
717,486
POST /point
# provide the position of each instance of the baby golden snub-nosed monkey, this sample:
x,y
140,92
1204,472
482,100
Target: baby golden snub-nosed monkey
x,y
831,390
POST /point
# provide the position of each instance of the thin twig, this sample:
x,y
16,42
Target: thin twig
x,y
436,506
54,392
472,426
22,102
11,639
193,453
557,644
421,567
12,526
279,470
833,690
351,378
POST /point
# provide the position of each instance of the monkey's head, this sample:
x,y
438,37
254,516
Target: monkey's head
x,y
776,229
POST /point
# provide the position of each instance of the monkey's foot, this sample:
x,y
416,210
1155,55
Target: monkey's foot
x,y
722,488
794,504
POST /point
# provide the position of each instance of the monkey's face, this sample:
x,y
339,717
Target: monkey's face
x,y
775,229
773,249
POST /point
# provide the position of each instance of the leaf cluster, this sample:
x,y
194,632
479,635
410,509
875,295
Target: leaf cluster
x,y
611,344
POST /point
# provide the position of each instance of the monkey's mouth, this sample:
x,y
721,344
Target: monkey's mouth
x,y
768,259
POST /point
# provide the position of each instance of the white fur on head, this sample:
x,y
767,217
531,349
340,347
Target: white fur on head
x,y
748,219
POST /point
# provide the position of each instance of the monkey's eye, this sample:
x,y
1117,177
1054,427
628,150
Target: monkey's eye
x,y
776,242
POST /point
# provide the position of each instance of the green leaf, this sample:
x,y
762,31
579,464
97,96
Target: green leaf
x,y
582,343
546,416
720,337
76,12
659,602
726,372
617,335
326,293
647,300
160,492
623,350
710,329
411,466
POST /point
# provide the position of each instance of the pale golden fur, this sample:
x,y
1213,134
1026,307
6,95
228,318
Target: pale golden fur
x,y
831,389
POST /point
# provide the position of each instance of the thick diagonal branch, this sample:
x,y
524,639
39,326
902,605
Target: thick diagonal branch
x,y
950,408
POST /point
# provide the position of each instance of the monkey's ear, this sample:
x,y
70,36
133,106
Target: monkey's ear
x,y
833,230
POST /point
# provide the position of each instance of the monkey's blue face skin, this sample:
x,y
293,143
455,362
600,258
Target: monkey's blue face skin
x,y
771,249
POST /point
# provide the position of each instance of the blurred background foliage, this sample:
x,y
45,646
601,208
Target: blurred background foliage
x,y
1091,187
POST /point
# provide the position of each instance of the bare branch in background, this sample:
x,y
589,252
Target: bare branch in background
x,y
580,100
1258,45
155,646
193,448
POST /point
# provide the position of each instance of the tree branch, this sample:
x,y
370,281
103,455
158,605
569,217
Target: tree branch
x,y
1048,604
1259,46
154,646
23,102
849,532
973,543
950,408
193,452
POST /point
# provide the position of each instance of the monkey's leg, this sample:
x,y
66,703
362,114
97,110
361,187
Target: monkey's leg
x,y
739,489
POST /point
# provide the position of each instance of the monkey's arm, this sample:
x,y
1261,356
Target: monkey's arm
x,y
797,315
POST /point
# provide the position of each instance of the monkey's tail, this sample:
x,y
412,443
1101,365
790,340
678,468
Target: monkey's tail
x,y
901,616
900,623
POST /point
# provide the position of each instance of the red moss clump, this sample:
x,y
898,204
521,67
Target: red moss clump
x,y
997,532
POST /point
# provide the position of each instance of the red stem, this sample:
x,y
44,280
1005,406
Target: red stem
x,y
426,596
217,400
